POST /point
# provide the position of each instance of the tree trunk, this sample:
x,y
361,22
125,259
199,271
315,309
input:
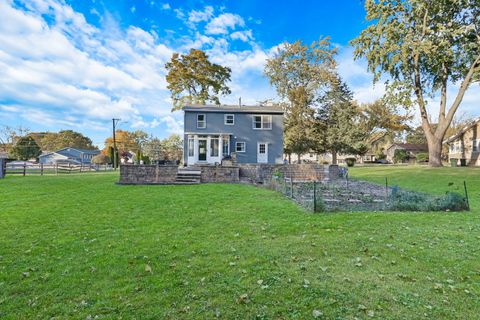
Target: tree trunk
x,y
434,151
299,158
289,158
334,157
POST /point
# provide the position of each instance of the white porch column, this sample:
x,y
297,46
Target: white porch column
x,y
208,148
195,149
220,147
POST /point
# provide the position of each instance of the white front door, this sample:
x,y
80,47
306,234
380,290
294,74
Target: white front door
x,y
262,152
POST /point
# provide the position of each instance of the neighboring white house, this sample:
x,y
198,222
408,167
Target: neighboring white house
x,y
70,155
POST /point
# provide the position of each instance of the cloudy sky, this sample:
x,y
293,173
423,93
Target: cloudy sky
x,y
77,64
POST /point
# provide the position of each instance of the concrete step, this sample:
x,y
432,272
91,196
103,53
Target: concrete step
x,y
188,176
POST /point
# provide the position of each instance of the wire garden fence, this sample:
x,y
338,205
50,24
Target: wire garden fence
x,y
355,195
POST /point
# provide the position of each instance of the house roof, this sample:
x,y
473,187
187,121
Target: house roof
x,y
411,146
233,108
66,151
462,130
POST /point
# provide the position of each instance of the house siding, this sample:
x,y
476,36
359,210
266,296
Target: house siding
x,y
241,131
465,145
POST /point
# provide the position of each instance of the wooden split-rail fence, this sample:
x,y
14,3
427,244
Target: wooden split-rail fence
x,y
44,169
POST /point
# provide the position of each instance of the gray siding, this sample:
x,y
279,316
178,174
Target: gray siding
x,y
241,131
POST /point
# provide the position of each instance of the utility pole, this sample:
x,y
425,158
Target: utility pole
x,y
114,123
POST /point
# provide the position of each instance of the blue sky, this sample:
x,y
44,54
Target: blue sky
x,y
77,64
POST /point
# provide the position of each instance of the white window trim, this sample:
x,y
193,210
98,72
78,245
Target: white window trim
x,y
225,119
261,117
204,121
244,146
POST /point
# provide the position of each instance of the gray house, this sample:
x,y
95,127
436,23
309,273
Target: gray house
x,y
254,134
69,155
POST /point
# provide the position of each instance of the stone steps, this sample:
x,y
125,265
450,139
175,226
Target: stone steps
x,y
188,177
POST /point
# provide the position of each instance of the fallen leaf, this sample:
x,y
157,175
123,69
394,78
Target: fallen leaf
x,y
148,268
317,313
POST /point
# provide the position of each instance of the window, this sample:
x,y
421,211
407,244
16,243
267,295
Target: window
x,y
214,147
229,119
261,148
475,145
201,121
240,147
226,147
262,122
190,147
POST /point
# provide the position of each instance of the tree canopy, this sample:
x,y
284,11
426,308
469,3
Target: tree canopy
x,y
424,47
337,122
52,141
193,79
299,72
126,141
25,149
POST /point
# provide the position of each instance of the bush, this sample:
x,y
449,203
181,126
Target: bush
x,y
350,161
101,159
403,200
422,157
400,155
380,155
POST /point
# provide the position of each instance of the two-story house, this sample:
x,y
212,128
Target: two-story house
x,y
464,146
253,134
70,155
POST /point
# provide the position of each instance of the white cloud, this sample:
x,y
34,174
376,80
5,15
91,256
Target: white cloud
x,y
196,16
165,6
223,23
245,35
81,76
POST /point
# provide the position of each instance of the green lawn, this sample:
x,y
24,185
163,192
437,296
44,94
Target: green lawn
x,y
82,247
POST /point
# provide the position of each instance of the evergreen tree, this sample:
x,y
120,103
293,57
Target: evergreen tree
x,y
25,149
337,127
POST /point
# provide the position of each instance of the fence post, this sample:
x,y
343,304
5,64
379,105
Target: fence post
x,y
314,196
24,169
466,194
386,191
56,169
41,169
291,188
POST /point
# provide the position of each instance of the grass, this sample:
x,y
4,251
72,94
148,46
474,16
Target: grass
x,y
82,247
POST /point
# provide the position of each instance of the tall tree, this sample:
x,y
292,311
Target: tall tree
x,y
25,149
10,135
173,147
192,78
424,46
65,138
126,141
154,149
337,122
299,72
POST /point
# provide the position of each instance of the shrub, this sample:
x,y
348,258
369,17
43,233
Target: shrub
x,y
422,157
415,201
350,161
380,155
453,201
101,159
400,155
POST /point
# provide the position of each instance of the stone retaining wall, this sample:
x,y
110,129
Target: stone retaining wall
x,y
262,173
148,174
220,174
